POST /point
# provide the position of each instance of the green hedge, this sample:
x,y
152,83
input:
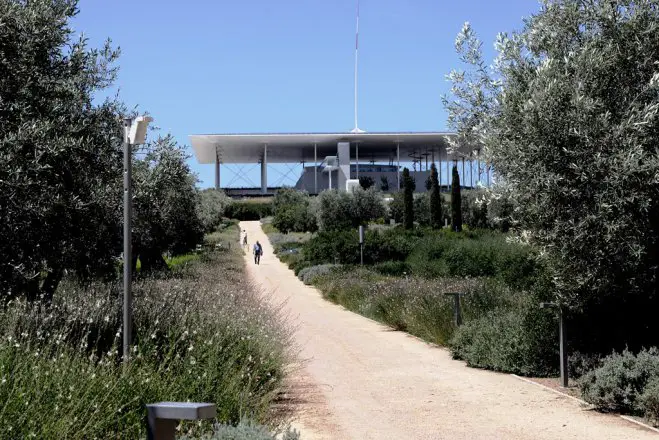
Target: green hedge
x,y
248,211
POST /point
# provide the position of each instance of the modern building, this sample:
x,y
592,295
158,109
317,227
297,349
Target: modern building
x,y
333,159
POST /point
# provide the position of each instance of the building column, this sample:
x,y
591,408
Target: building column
x,y
357,157
343,153
217,169
398,161
463,179
315,168
264,170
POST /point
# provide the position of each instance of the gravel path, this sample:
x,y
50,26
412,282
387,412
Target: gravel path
x,y
360,380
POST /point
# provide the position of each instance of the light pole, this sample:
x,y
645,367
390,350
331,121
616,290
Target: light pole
x,y
562,340
134,134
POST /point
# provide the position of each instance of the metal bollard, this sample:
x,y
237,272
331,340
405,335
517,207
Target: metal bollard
x,y
162,417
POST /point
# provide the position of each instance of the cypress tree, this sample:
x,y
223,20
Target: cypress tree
x,y
435,199
408,199
456,202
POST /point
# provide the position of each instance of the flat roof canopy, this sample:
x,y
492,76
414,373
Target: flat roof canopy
x,y
299,147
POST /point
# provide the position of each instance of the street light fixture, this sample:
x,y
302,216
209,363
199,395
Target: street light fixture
x,y
134,134
562,340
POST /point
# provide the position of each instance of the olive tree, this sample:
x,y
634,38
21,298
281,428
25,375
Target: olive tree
x,y
60,179
569,118
166,217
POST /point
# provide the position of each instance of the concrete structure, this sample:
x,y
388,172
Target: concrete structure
x,y
380,154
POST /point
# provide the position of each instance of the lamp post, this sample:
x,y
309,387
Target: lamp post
x,y
562,340
134,134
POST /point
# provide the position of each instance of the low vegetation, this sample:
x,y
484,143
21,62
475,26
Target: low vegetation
x,y
201,334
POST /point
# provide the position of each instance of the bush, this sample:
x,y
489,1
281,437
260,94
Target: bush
x,y
249,211
212,207
291,211
620,381
200,333
520,341
344,210
309,274
649,401
392,268
474,209
244,431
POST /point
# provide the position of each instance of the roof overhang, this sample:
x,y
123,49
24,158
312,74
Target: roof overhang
x,y
299,147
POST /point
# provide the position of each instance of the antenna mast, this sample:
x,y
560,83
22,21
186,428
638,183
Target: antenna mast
x,y
356,129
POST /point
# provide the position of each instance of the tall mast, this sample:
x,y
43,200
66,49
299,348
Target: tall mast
x,y
356,129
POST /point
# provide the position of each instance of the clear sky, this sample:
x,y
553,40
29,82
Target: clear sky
x,y
265,66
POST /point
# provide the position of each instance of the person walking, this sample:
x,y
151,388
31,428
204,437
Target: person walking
x,y
258,251
245,241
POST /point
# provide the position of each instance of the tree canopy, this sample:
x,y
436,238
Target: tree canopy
x,y
568,116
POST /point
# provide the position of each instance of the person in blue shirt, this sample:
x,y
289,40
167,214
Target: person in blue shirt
x,y
258,251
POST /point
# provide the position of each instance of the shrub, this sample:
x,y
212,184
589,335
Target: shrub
x,y
392,268
384,184
344,210
249,211
200,334
244,431
620,381
291,211
422,209
474,209
212,207
309,274
649,401
520,341
366,182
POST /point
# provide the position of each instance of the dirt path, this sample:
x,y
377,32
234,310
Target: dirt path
x,y
364,381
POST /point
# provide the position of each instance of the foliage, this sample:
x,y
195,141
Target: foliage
x,y
475,209
249,211
309,274
456,202
569,121
520,340
366,182
343,210
213,205
435,199
397,206
165,205
526,344
343,246
620,381
384,184
53,136
422,208
200,333
244,431
291,211
408,199
649,401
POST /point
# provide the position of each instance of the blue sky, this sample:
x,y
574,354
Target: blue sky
x,y
264,66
